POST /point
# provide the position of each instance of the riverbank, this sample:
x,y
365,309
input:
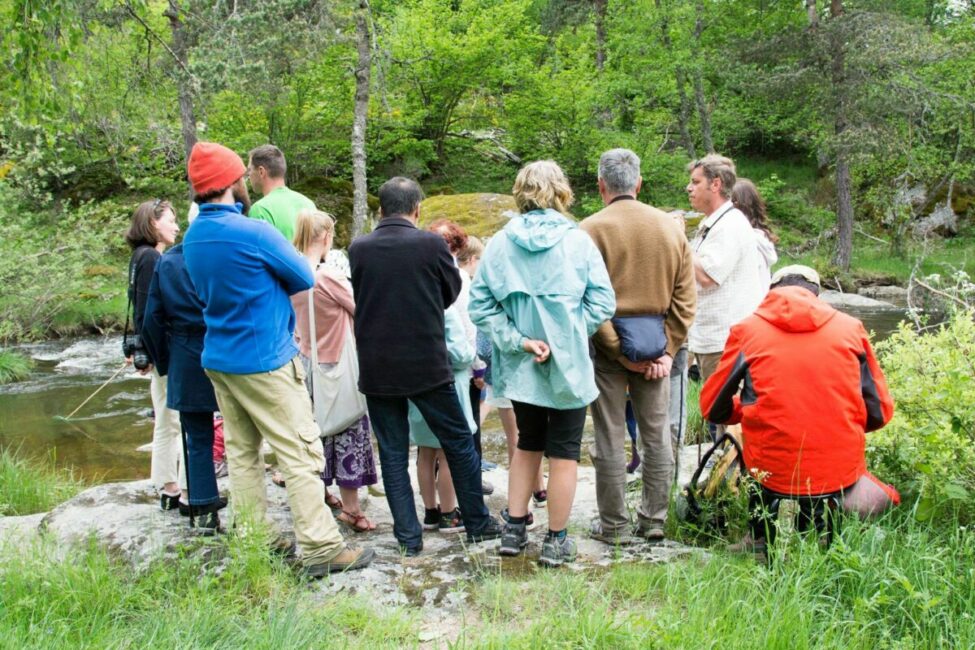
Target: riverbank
x,y
890,584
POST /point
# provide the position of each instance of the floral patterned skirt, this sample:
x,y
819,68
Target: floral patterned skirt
x,y
348,457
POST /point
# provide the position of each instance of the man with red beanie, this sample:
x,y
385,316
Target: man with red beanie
x,y
244,272
810,388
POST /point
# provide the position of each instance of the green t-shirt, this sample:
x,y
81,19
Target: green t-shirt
x,y
279,208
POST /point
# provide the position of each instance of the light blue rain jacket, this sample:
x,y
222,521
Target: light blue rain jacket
x,y
542,278
462,355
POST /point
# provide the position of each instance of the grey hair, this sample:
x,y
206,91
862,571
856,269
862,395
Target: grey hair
x,y
619,169
716,166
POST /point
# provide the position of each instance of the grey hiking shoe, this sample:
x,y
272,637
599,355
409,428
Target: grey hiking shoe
x,y
621,538
556,552
514,537
652,531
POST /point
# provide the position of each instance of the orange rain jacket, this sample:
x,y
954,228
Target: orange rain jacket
x,y
810,388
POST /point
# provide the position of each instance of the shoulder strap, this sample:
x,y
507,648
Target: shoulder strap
x,y
704,235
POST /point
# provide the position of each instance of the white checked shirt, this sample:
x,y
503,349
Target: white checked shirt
x,y
726,248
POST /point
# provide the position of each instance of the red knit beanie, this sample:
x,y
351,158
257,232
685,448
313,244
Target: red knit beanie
x,y
213,166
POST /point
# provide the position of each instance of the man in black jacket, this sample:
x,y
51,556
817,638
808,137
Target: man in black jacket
x,y
404,278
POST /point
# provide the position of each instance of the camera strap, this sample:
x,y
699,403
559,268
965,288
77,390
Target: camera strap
x,y
130,292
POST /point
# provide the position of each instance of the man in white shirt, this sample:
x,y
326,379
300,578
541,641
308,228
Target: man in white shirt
x,y
725,261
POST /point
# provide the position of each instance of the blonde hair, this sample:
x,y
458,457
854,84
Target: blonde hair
x,y
540,185
309,226
474,248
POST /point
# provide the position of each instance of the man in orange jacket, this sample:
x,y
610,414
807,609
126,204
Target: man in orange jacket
x,y
810,388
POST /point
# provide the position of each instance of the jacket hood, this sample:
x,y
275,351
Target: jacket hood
x,y
794,309
538,230
766,248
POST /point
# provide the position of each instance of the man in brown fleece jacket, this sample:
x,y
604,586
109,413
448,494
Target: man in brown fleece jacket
x,y
652,270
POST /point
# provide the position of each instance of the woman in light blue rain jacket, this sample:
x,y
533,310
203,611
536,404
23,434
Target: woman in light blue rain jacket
x,y
444,516
540,292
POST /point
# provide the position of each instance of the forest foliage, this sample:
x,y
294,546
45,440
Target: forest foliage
x,y
870,99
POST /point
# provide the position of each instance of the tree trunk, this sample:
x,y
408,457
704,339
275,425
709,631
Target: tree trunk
x,y
680,77
702,106
360,207
684,116
812,14
844,195
600,8
184,83
702,111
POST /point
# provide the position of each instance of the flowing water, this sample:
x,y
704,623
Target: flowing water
x,y
102,441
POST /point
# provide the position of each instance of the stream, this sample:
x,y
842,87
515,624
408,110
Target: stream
x,y
101,443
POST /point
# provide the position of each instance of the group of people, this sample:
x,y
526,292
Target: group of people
x,y
551,319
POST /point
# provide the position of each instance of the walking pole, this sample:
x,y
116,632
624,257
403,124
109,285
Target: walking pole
x,y
186,470
97,390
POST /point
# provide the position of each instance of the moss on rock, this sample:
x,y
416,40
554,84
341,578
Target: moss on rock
x,y
479,214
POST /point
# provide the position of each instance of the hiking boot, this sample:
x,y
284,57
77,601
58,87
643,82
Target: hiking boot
x,y
284,547
168,501
349,558
514,538
487,488
556,552
529,522
652,532
406,551
185,508
747,544
451,522
431,518
621,538
540,497
491,530
206,523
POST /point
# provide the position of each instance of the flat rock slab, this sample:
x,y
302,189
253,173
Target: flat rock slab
x,y
126,519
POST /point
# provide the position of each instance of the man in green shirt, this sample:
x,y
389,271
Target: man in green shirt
x,y
279,205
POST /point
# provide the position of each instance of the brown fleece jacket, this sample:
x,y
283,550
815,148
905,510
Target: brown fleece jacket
x,y
650,265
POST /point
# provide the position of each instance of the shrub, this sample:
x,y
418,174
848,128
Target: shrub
x,y
927,450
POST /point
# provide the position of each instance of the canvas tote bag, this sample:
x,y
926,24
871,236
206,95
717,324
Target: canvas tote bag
x,y
337,400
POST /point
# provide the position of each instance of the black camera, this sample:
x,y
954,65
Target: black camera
x,y
132,347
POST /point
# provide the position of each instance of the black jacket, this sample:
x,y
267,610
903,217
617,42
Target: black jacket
x,y
404,278
173,331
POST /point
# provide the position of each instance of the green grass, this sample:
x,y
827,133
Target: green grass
x,y
14,367
27,487
82,598
895,584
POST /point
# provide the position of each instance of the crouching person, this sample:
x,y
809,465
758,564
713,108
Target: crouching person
x,y
244,270
810,389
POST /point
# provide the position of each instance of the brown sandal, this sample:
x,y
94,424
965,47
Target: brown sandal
x,y
357,521
333,501
277,478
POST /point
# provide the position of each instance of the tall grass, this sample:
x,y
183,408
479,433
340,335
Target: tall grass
x,y
27,487
82,598
13,367
894,584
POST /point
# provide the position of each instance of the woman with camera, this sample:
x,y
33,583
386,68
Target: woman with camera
x,y
153,228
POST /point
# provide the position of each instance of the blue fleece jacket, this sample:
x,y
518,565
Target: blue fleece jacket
x,y
244,270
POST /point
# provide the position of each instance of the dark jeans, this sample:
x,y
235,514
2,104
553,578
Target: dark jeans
x,y
442,411
199,450
475,395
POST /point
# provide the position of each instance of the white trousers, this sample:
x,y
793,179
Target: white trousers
x,y
167,443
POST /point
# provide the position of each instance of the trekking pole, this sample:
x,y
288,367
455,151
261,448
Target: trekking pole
x,y
186,471
97,390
